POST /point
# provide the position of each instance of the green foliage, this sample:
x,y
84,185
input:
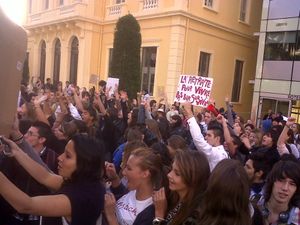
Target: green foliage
x,y
126,55
25,72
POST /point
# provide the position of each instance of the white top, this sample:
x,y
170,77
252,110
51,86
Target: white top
x,y
74,112
214,154
128,207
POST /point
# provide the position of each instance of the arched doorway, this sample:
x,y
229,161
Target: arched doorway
x,y
74,60
42,60
56,68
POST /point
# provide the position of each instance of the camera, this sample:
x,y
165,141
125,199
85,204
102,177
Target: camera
x,y
4,145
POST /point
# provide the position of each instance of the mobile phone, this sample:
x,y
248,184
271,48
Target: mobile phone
x,y
5,146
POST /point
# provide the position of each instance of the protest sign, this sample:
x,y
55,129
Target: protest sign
x,y
194,89
94,79
111,85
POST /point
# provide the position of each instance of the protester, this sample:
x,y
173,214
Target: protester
x,y
187,183
144,174
226,200
212,147
257,168
125,125
285,144
280,201
80,194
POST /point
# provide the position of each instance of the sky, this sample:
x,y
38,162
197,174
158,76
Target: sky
x,y
14,9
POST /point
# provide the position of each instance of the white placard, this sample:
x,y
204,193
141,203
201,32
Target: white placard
x,y
194,89
111,85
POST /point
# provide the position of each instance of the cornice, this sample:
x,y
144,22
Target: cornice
x,y
145,17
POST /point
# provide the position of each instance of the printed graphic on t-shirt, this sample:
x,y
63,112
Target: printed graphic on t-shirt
x,y
128,208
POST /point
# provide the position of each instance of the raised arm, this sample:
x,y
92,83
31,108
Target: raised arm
x,y
229,112
54,205
37,171
77,99
124,107
283,137
198,139
227,135
100,104
38,109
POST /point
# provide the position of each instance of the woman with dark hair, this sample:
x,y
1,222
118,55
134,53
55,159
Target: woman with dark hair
x,y
79,197
281,198
238,129
133,117
187,183
90,118
226,200
269,145
248,128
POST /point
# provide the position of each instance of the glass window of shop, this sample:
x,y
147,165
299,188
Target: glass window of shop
x,y
281,46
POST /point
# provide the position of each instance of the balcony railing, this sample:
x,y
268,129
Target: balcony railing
x,y
115,9
77,8
150,4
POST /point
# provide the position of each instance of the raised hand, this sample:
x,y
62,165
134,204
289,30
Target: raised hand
x,y
12,149
211,101
110,206
221,119
37,101
187,109
160,202
110,171
290,121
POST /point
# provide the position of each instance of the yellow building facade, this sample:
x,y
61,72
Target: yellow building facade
x,y
72,40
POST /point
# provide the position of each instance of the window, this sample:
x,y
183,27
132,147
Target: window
x,y
280,46
42,60
46,4
208,3
119,1
243,10
203,69
61,2
74,61
56,67
237,81
297,48
295,112
148,68
29,6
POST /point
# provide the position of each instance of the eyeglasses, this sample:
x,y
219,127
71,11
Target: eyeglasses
x,y
30,133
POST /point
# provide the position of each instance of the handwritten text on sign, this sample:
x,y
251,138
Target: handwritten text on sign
x,y
194,89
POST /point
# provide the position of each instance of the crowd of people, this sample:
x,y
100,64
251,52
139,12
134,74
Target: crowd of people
x,y
89,157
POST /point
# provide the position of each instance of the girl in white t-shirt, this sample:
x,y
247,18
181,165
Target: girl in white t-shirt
x,y
144,174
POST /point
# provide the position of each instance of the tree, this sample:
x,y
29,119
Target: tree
x,y
126,55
